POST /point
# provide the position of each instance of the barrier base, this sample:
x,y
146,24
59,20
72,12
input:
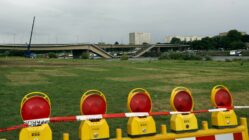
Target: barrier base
x,y
141,126
97,129
183,123
42,132
224,119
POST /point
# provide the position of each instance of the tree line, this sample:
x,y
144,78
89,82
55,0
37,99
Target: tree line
x,y
233,40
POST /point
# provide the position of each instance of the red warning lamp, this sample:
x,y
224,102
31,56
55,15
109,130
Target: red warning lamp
x,y
35,105
221,97
181,100
140,102
93,102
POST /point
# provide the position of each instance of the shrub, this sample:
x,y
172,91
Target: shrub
x,y
245,53
180,56
85,55
228,60
207,58
6,53
52,55
124,57
237,59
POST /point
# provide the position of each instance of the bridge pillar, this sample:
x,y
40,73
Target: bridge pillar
x,y
158,50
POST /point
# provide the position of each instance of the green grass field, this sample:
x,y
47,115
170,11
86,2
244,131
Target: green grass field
x,y
66,80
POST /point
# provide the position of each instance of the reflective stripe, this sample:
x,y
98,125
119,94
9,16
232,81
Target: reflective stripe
x,y
237,136
206,138
224,137
217,110
36,122
176,112
241,107
88,117
140,114
230,136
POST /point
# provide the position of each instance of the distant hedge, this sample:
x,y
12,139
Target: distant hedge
x,y
180,56
52,55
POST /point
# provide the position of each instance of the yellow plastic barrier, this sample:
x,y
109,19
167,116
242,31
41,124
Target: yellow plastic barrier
x,y
222,97
65,136
238,133
93,129
181,100
139,100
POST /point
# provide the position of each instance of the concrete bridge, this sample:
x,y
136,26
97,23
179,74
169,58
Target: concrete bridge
x,y
102,50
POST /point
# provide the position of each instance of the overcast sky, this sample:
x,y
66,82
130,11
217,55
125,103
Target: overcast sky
x,y
79,21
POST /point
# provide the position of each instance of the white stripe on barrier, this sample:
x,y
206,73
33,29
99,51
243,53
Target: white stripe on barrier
x,y
176,112
140,114
217,110
36,122
229,136
240,107
224,137
88,117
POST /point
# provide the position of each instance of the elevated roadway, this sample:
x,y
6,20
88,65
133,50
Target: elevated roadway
x,y
99,49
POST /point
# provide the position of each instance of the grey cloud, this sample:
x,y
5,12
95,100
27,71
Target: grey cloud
x,y
112,20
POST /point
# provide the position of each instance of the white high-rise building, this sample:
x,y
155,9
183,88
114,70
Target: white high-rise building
x,y
139,38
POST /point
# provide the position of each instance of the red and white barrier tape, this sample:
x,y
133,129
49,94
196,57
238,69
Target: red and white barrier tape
x,y
111,116
37,122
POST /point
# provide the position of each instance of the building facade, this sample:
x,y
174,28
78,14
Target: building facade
x,y
139,38
225,33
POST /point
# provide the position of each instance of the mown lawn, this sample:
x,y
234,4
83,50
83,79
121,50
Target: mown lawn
x,y
66,80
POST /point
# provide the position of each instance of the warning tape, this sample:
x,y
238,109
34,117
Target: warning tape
x,y
37,122
12,128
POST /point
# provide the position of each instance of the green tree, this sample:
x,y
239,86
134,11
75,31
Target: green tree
x,y
237,45
245,38
207,43
175,40
234,35
224,42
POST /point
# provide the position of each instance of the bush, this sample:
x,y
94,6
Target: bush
x,y
180,56
213,53
228,60
124,57
207,58
237,59
85,55
52,55
6,53
245,53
